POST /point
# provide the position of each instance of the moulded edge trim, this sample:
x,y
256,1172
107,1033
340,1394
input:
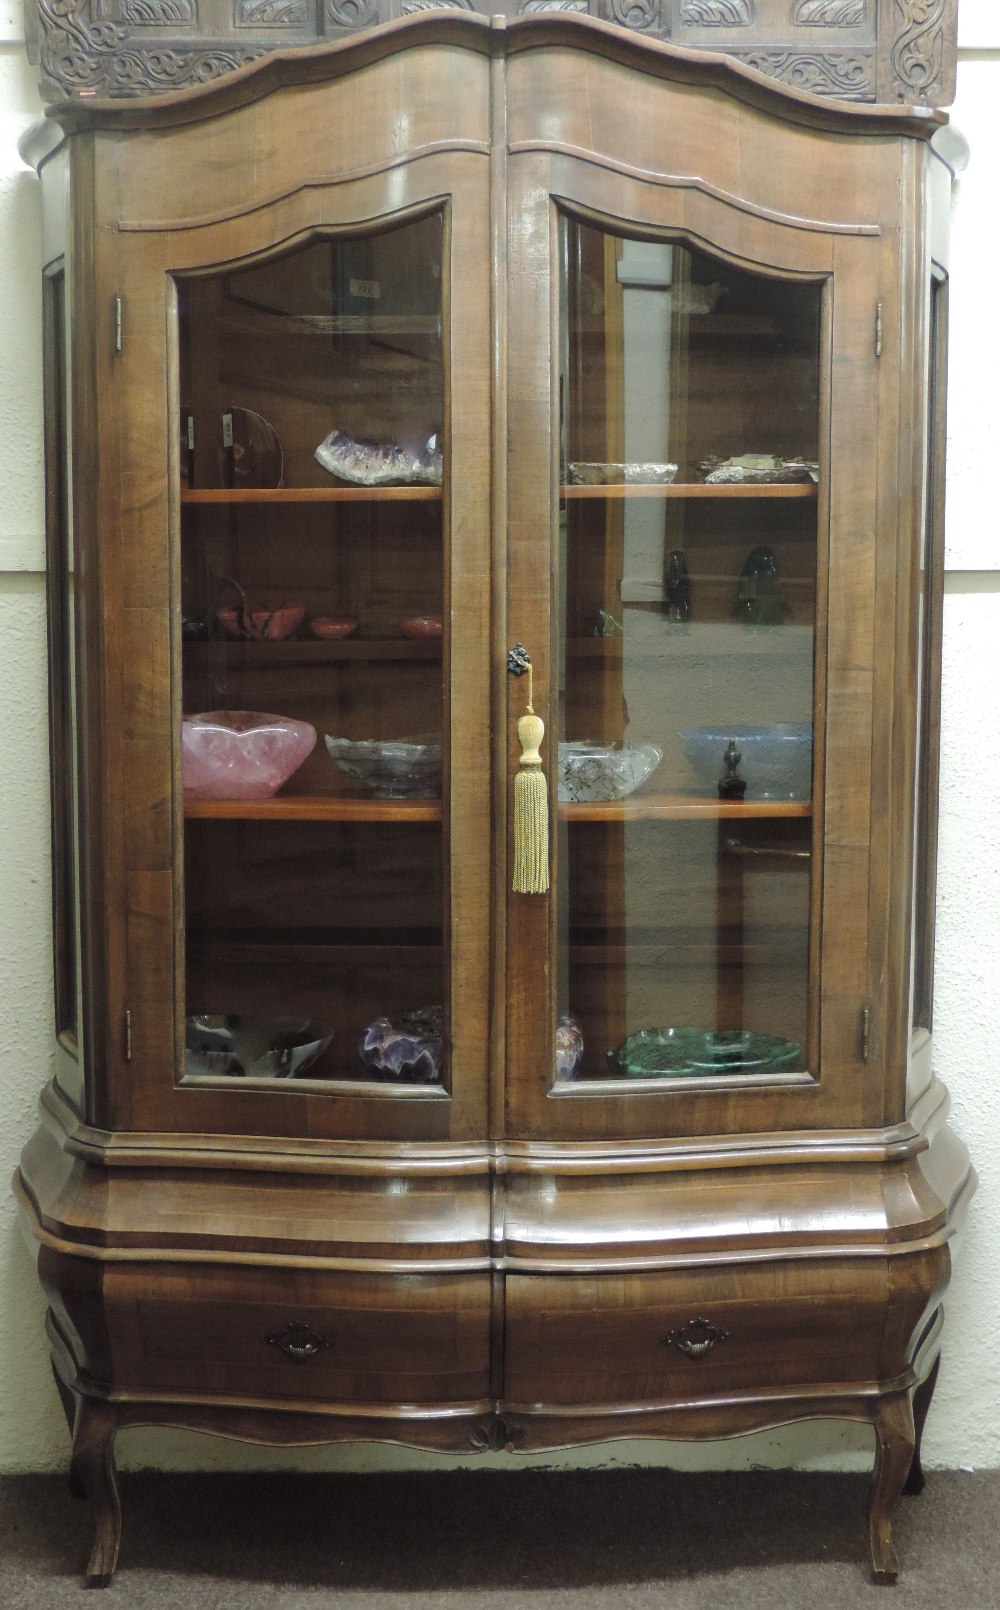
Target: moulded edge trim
x,y
672,181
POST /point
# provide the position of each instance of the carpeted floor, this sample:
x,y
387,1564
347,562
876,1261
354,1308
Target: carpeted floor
x,y
621,1540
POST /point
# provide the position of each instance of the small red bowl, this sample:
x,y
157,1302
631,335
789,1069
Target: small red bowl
x,y
260,624
332,626
422,626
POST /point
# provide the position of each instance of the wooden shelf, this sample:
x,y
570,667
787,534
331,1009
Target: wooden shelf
x,y
685,808
331,808
406,943
291,652
313,808
678,954
703,324
247,323
226,495
692,489
700,639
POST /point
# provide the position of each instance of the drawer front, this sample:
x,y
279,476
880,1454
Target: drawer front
x,y
672,1336
299,1334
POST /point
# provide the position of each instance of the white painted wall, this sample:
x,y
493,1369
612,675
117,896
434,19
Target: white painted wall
x,y
964,1427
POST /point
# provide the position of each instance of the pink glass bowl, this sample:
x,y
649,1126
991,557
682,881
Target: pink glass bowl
x,y
329,627
241,754
258,625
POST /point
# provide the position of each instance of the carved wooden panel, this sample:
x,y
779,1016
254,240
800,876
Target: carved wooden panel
x,y
900,51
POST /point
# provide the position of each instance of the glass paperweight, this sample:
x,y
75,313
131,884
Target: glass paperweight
x,y
689,1053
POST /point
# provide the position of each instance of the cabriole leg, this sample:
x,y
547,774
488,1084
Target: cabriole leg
x,y
68,1399
94,1466
916,1480
894,1447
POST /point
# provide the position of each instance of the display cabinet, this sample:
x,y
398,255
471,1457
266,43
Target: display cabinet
x,y
372,371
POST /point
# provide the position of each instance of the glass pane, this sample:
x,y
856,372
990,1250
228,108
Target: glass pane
x,y
62,667
688,609
930,579
313,652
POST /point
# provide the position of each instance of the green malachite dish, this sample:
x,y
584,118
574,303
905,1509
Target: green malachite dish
x,y
693,1053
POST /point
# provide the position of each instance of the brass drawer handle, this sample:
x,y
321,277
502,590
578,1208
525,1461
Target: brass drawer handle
x,y
299,1342
696,1338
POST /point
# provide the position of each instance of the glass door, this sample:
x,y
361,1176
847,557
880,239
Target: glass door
x,y
306,776
703,481
686,636
314,601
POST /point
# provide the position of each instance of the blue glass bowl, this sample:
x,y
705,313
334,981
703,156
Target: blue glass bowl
x,y
775,761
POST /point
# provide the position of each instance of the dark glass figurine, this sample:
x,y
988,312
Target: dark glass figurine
x,y
677,593
758,598
731,784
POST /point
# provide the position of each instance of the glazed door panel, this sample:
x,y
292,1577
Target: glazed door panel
x,y
699,963
320,368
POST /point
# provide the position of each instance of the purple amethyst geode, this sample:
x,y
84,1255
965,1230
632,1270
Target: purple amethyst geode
x,y
367,463
407,1047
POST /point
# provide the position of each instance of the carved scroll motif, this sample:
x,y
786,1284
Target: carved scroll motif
x,y
269,13
412,8
535,8
72,53
159,13
851,77
830,13
137,72
638,15
351,13
717,13
918,51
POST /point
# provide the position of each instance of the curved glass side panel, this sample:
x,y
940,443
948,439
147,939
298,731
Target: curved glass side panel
x,y
688,566
64,712
313,648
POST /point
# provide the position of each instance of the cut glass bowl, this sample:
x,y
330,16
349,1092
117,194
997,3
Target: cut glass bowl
x,y
596,773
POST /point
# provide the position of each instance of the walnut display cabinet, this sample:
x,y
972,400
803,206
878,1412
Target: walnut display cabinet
x,y
628,358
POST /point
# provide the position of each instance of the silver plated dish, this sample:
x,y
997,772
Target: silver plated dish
x,y
758,469
585,474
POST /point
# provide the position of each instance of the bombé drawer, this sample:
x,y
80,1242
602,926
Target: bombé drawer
x,y
656,1336
299,1334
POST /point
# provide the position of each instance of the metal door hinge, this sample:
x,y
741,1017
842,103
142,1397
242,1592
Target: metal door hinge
x,y
118,323
878,329
128,1036
866,1033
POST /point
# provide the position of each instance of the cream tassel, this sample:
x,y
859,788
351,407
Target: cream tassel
x,y
531,807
